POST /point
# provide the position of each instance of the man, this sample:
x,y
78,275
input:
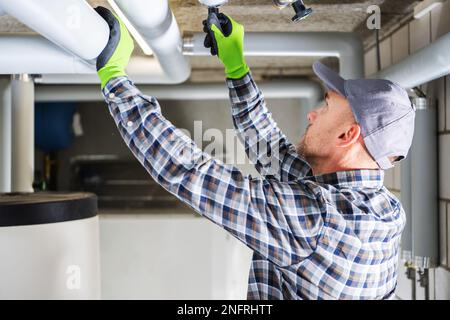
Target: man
x,y
321,223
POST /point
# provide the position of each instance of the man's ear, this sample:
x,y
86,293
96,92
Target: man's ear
x,y
350,136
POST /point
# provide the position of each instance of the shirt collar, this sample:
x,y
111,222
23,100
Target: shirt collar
x,y
354,178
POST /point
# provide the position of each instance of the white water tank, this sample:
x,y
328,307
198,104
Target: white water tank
x,y
49,246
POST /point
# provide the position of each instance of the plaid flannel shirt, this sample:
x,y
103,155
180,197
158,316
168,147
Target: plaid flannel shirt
x,y
334,236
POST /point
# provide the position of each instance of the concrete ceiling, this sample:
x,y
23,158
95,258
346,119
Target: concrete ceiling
x,y
261,15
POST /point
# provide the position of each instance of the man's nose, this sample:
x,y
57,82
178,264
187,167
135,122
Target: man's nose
x,y
312,116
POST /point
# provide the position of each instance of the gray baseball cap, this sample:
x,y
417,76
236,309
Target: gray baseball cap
x,y
382,109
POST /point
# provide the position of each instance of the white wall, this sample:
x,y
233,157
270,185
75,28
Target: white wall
x,y
160,255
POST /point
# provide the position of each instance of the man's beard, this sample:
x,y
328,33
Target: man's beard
x,y
303,148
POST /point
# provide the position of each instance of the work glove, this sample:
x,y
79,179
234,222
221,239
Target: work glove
x,y
111,63
225,37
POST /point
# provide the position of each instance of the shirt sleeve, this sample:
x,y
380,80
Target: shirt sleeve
x,y
264,143
261,213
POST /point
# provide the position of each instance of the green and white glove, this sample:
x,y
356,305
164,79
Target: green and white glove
x,y
111,63
228,43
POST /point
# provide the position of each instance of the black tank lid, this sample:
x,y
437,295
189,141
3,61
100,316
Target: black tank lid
x,y
45,208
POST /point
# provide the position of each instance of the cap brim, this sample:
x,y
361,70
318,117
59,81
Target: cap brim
x,y
332,80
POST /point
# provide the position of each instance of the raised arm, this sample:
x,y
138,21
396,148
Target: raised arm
x,y
264,143
250,209
263,140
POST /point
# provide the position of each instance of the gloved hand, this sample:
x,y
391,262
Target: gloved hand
x,y
228,43
111,63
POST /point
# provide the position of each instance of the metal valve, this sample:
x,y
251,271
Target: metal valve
x,y
301,12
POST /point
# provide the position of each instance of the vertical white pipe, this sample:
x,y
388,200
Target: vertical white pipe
x,y
5,134
22,99
71,24
158,26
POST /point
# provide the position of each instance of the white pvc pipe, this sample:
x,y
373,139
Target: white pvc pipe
x,y
158,26
310,93
301,89
58,66
345,46
37,55
430,63
22,154
142,70
72,24
5,134
87,40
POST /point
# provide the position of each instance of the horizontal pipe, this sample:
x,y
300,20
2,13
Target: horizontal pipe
x,y
429,63
71,24
59,66
301,89
142,70
36,55
345,46
156,23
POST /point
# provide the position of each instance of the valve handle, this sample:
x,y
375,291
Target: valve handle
x,y
221,22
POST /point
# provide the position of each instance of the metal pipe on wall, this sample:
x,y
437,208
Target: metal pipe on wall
x,y
419,193
424,187
71,24
406,241
430,63
346,46
22,151
5,134
406,199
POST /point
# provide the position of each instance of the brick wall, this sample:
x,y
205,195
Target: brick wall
x,y
406,40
